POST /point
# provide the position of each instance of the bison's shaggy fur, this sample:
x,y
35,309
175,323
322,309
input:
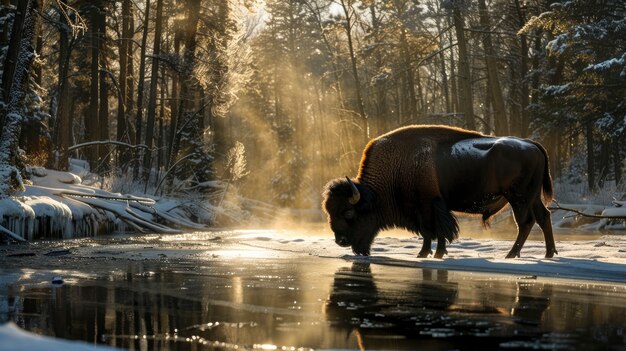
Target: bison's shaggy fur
x,y
413,177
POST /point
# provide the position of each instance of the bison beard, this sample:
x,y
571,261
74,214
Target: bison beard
x,y
413,177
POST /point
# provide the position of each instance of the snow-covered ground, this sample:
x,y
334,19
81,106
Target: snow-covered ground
x,y
581,256
602,259
14,338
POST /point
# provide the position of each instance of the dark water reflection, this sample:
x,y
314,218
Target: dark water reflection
x,y
311,303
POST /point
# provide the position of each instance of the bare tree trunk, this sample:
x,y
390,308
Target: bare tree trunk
x,y
140,84
154,80
347,7
63,125
124,55
4,32
454,79
412,110
380,86
445,90
91,116
188,136
591,167
10,61
466,100
524,123
174,106
161,139
495,90
617,162
38,69
103,113
130,81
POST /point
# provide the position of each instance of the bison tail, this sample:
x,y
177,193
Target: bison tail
x,y
548,191
445,225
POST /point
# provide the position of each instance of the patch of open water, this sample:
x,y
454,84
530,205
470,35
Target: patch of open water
x,y
303,303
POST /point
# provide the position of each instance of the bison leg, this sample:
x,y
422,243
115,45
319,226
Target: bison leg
x,y
441,248
543,217
426,250
525,220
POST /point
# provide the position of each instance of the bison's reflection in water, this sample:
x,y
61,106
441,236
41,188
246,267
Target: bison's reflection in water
x,y
377,312
531,303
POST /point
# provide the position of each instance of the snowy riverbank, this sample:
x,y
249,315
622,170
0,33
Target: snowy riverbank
x,y
56,205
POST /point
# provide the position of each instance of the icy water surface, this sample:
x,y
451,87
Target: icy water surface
x,y
248,300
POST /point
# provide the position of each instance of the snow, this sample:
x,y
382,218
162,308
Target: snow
x,y
57,205
601,259
15,338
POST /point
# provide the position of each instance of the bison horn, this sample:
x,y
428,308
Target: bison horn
x,y
356,196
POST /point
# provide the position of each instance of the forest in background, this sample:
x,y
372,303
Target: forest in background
x,y
165,97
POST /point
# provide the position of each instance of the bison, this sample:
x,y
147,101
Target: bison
x,y
413,177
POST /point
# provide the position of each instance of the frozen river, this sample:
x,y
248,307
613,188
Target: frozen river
x,y
217,291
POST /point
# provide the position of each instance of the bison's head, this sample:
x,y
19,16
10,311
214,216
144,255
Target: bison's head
x,y
350,210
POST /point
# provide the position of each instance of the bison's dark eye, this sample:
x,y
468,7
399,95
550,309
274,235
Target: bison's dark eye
x,y
349,214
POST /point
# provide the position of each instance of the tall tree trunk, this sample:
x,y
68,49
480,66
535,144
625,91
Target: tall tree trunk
x,y
91,116
130,81
154,80
348,13
445,90
4,30
103,113
140,85
10,179
188,139
174,105
124,53
495,90
10,60
38,69
524,123
380,123
410,80
591,167
63,125
454,79
466,100
161,138
617,162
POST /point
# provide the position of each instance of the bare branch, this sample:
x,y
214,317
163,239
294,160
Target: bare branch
x,y
590,215
108,142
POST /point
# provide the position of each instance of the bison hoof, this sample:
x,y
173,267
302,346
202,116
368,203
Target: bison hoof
x,y
513,254
424,254
550,253
439,254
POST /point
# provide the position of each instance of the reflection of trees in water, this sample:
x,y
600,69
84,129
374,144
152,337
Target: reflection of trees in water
x,y
122,307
